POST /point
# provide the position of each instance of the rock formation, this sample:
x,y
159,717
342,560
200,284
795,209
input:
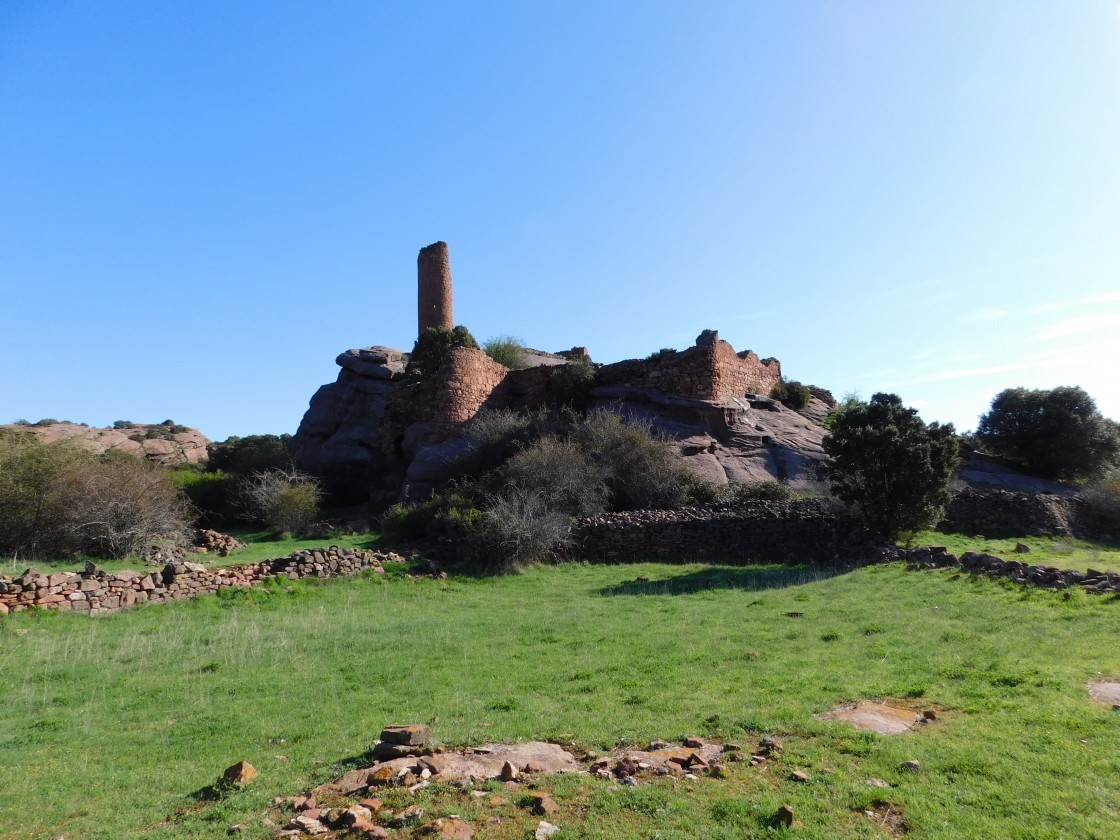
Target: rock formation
x,y
158,443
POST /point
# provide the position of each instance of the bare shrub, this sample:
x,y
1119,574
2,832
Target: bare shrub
x,y
518,528
1103,496
123,506
286,501
57,500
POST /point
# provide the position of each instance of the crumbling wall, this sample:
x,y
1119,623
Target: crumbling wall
x,y
711,370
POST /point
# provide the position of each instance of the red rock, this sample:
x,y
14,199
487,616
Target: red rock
x,y
374,805
449,828
799,776
542,804
785,816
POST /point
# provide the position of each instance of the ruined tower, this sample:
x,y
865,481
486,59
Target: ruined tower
x,y
433,270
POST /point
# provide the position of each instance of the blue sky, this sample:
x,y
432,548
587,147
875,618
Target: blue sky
x,y
202,204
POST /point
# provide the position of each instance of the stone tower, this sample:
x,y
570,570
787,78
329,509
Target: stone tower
x,y
433,270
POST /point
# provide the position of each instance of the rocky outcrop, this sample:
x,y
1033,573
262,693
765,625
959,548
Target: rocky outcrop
x,y
164,444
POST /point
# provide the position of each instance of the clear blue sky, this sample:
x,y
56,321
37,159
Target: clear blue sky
x,y
202,204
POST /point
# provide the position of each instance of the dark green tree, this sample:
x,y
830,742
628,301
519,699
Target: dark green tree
x,y
894,468
250,454
1055,434
433,347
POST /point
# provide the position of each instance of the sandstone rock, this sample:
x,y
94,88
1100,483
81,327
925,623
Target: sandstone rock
x,y
240,773
187,447
784,816
450,828
913,765
545,830
509,772
542,804
416,734
799,776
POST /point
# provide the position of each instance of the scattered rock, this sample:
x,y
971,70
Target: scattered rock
x,y
510,773
799,776
784,816
769,746
1022,548
542,804
239,773
449,828
929,714
545,830
876,783
912,766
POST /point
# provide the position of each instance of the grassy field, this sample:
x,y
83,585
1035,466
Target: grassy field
x,y
110,727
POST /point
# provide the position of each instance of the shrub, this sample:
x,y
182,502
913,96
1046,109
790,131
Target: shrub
x,y
124,505
557,472
518,528
739,491
1103,497
570,384
453,512
893,467
664,352
433,347
1056,434
506,350
251,454
641,469
57,500
46,421
213,494
287,501
792,394
123,424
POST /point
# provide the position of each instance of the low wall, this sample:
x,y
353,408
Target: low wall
x,y
95,591
808,531
1002,513
1018,571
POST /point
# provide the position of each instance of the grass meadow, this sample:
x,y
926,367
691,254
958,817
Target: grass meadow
x,y
110,727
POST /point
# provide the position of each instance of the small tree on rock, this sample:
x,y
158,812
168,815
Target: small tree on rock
x,y
893,467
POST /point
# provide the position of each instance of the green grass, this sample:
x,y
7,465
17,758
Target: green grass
x,y
260,545
1063,552
109,727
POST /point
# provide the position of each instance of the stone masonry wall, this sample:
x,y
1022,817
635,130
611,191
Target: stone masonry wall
x,y
807,531
469,379
1002,513
95,591
711,370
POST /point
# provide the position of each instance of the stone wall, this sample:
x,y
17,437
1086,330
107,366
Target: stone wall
x,y
468,380
711,370
807,531
1002,513
95,591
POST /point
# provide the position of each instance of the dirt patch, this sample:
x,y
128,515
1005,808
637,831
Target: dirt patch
x,y
888,817
869,715
1105,691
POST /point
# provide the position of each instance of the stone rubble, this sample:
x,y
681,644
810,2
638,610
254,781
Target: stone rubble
x,y
96,592
989,565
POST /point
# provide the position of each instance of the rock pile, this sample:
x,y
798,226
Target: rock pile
x,y
95,591
989,565
356,802
208,540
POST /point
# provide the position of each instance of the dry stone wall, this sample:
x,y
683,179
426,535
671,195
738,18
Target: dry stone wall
x,y
1002,513
95,591
807,531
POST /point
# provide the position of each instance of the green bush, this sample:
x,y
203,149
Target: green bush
x,y
244,456
506,350
893,467
433,347
792,394
738,491
641,470
1056,434
213,494
663,353
559,473
571,384
449,513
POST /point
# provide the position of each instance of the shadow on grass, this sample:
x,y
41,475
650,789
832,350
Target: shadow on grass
x,y
721,577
